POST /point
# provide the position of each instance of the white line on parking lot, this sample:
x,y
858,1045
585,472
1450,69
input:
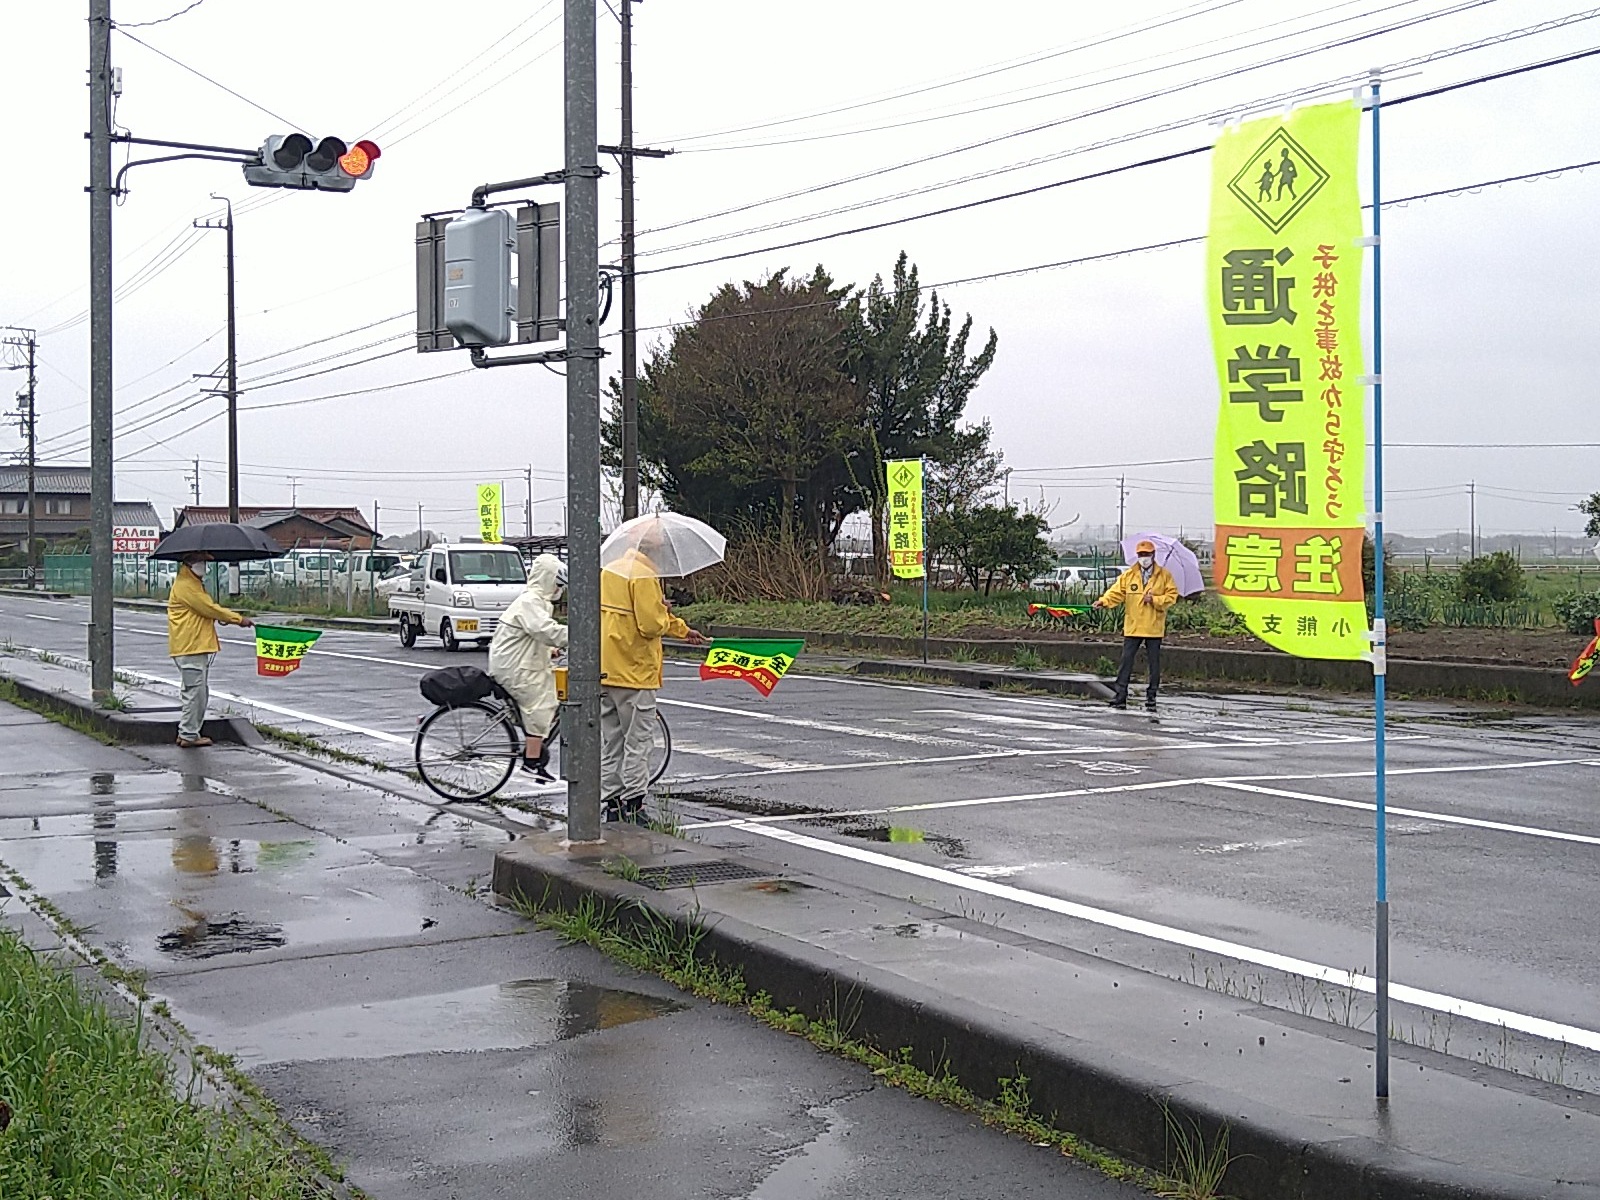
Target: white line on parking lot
x,y
1436,1001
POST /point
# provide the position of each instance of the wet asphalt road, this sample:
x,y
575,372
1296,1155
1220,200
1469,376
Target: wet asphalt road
x,y
1245,819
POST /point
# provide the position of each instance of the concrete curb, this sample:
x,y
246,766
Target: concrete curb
x,y
133,730
1544,687
1097,1094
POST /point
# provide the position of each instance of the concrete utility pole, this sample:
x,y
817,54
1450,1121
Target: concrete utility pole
x,y
28,426
102,646
580,722
233,365
1122,505
195,483
527,510
1472,528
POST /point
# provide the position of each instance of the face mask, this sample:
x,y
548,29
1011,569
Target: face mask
x,y
1147,560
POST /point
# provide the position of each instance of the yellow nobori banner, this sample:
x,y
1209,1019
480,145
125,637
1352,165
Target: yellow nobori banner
x,y
1283,294
905,517
489,511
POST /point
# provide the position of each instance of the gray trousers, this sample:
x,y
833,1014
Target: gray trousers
x,y
194,675
627,733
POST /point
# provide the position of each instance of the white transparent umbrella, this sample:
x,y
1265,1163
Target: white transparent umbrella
x,y
668,544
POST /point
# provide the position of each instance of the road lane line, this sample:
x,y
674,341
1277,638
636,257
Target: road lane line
x,y
1150,786
41,617
1442,818
921,739
1471,1010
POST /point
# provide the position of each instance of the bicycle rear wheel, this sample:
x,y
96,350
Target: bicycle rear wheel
x,y
467,753
660,745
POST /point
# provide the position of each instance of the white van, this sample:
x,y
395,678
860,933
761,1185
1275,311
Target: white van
x,y
459,593
357,571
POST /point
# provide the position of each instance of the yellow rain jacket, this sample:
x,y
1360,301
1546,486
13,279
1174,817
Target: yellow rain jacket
x,y
633,619
192,616
1138,618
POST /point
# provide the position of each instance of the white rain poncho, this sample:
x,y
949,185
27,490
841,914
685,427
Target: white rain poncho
x,y
519,655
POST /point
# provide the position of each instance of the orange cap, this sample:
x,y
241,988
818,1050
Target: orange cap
x,y
1145,547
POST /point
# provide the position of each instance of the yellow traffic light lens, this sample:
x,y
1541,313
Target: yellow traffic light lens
x,y
355,162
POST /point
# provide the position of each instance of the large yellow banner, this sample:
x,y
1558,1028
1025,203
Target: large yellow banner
x,y
489,512
905,517
1283,291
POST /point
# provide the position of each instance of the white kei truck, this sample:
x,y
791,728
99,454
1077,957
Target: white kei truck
x,y
457,593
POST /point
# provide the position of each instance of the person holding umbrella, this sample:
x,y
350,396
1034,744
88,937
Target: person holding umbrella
x,y
1145,592
634,617
192,618
192,615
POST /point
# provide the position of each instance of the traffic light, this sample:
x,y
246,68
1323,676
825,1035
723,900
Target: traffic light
x,y
293,161
478,302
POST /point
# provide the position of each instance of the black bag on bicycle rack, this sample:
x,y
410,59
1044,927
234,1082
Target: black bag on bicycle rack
x,y
456,687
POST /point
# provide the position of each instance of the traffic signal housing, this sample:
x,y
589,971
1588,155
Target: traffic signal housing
x,y
294,161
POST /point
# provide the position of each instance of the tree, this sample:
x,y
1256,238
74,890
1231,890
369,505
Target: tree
x,y
748,416
1591,509
992,541
916,378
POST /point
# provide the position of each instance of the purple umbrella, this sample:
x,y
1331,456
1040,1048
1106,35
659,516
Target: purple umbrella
x,y
1174,556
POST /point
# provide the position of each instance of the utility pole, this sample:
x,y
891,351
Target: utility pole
x,y
233,365
194,482
102,646
626,153
580,722
1122,506
527,510
294,491
1472,529
419,529
28,425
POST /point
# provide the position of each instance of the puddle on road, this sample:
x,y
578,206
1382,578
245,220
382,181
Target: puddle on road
x,y
812,1167
503,1016
902,835
204,937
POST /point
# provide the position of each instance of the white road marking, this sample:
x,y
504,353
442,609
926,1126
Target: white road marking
x,y
921,739
745,758
1471,1010
41,617
1004,719
1055,752
1167,784
1443,818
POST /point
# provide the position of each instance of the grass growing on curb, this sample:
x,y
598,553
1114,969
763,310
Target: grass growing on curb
x,y
73,720
650,942
1197,1165
308,744
89,1105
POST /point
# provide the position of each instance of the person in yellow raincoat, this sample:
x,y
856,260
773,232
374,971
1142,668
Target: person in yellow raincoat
x,y
519,657
192,618
1145,592
634,617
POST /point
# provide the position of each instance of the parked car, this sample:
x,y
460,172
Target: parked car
x,y
359,570
1088,581
396,579
457,592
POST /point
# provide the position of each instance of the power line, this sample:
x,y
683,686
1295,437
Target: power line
x,y
331,337
1094,175
163,20
1342,81
237,96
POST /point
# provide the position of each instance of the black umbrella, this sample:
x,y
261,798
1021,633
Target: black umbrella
x,y
223,541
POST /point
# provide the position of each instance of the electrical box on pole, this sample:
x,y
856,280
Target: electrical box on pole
x,y
478,304
466,295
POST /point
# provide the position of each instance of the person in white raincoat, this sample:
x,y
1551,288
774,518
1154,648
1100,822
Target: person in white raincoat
x,y
519,655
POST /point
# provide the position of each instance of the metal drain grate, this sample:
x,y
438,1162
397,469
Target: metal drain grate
x,y
690,874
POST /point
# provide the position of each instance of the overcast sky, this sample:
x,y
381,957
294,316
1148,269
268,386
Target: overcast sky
x,y
1489,295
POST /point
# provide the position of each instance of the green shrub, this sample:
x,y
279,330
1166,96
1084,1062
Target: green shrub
x,y
1577,611
1493,577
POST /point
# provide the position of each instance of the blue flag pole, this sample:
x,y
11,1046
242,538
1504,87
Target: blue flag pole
x,y
1379,627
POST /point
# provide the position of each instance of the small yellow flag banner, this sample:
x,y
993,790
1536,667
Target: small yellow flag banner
x,y
489,511
905,517
761,663
1283,291
279,651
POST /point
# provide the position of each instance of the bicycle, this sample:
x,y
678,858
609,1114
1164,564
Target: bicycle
x,y
467,752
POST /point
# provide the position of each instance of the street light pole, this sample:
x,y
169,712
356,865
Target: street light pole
x,y
102,646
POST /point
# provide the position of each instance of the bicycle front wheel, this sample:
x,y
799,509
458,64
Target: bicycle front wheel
x,y
660,747
467,753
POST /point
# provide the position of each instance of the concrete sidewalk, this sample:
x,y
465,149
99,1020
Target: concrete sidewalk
x,y
336,936
1114,1054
